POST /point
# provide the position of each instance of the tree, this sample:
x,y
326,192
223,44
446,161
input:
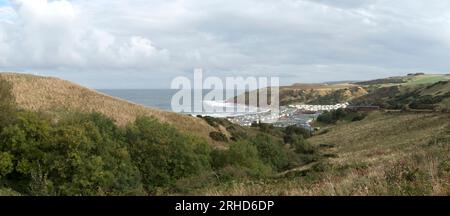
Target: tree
x,y
244,155
6,164
301,146
7,103
68,158
271,151
295,130
163,154
91,162
218,136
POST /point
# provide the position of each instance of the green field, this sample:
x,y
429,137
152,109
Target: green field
x,y
427,79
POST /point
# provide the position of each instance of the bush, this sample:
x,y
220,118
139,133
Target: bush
x,y
237,133
218,136
327,118
68,158
163,154
230,173
265,128
340,114
358,117
271,151
245,155
7,103
210,120
405,179
6,163
6,97
219,158
301,146
295,130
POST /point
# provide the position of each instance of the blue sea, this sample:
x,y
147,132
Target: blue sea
x,y
161,98
156,98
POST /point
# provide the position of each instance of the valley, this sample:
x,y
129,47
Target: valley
x,y
58,138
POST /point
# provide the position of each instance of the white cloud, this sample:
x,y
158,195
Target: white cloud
x,y
51,34
145,40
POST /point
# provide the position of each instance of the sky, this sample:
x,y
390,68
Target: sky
x,y
147,43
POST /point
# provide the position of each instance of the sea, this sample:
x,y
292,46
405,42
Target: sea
x,y
162,98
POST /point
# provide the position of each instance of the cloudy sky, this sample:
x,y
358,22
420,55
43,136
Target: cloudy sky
x,y
146,43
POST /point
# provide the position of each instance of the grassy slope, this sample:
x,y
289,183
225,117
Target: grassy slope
x,y
405,80
381,136
371,154
427,79
319,93
414,87
312,93
55,96
302,93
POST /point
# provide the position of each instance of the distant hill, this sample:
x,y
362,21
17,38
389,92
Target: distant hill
x,y
387,92
303,93
320,93
410,79
56,96
434,96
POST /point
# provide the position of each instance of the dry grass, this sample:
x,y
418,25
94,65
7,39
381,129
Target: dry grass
x,y
54,95
384,135
316,94
385,154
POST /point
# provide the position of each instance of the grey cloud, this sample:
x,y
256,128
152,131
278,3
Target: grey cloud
x,y
295,39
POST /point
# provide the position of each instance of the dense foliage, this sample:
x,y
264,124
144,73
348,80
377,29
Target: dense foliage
x,y
163,154
218,136
331,117
83,157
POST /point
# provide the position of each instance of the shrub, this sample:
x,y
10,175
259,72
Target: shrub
x,y
237,133
405,179
163,154
245,155
7,104
291,132
218,136
66,159
6,163
230,173
219,158
358,117
332,117
327,118
211,121
295,130
271,151
189,184
265,128
301,146
6,97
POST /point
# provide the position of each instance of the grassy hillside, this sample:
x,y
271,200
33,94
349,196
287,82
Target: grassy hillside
x,y
427,79
56,96
384,154
314,93
65,149
434,96
413,79
376,91
320,93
